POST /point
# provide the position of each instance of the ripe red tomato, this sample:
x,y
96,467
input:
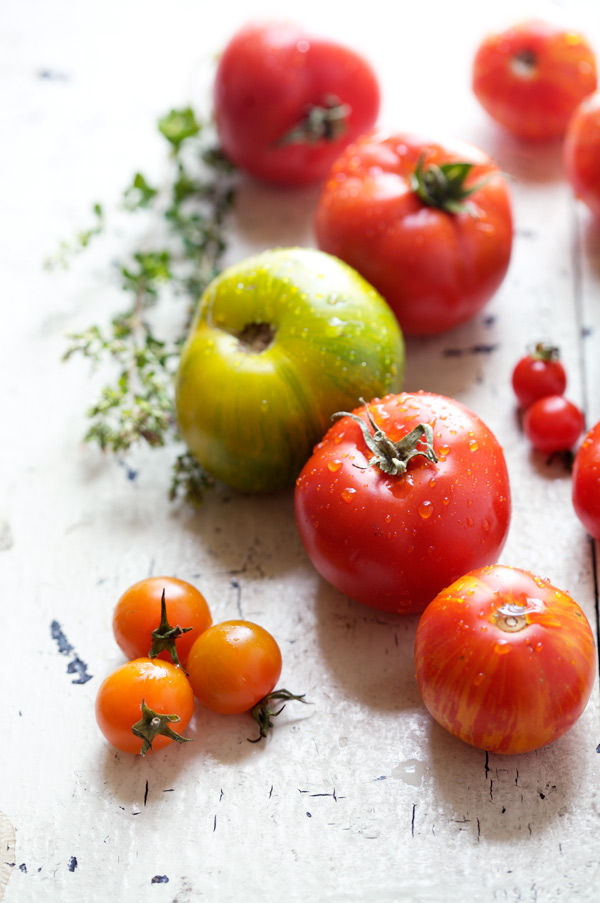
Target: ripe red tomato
x,y
586,482
538,374
392,534
531,77
553,424
429,225
144,705
582,152
286,102
140,629
504,660
233,665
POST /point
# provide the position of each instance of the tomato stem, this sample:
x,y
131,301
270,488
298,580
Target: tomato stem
x,y
320,122
262,711
152,723
444,186
393,457
544,351
163,638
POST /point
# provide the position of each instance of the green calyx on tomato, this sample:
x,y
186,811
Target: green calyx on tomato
x,y
443,186
279,342
321,122
543,351
165,635
151,724
262,711
393,457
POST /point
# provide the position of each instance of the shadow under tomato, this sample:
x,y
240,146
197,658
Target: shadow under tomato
x,y
526,161
368,654
505,797
590,239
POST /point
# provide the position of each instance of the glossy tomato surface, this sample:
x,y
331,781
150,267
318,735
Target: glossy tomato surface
x,y
531,77
504,660
233,665
586,482
394,541
553,424
537,374
582,152
161,685
434,267
137,615
287,102
279,343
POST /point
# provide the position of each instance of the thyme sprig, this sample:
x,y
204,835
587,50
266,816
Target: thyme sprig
x,y
137,406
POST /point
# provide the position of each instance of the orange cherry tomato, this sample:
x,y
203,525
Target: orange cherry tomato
x,y
504,660
233,665
145,704
531,77
138,613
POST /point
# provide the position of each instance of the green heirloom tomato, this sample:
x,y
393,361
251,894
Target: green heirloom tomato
x,y
279,343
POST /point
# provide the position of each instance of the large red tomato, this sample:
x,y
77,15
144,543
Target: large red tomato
x,y
505,660
586,482
428,224
401,498
582,152
531,77
286,102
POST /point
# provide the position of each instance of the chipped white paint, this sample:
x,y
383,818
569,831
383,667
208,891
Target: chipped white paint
x,y
360,796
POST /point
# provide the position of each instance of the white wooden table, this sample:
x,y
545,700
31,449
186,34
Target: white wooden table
x,y
359,796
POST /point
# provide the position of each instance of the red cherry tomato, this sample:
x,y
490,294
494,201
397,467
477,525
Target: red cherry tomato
x,y
586,482
286,102
139,629
429,225
531,77
392,511
538,374
582,152
233,665
553,424
504,660
145,704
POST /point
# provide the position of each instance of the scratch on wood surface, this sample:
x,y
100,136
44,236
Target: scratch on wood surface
x,y
73,863
76,665
160,879
472,349
412,820
146,793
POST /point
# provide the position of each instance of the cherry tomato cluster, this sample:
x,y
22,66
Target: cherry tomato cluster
x,y
230,667
551,422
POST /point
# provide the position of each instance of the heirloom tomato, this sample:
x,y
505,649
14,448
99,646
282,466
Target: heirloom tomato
x,y
286,102
160,617
530,77
553,424
401,497
582,152
539,373
504,660
428,224
586,482
145,704
279,343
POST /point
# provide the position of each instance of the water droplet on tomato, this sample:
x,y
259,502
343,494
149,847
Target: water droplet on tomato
x,y
470,522
478,678
443,451
425,509
334,465
473,446
501,647
348,494
538,647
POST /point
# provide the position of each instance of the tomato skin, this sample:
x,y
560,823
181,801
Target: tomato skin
x,y
233,665
138,612
531,77
505,692
581,152
251,415
435,269
162,685
267,78
553,424
586,482
533,378
393,542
